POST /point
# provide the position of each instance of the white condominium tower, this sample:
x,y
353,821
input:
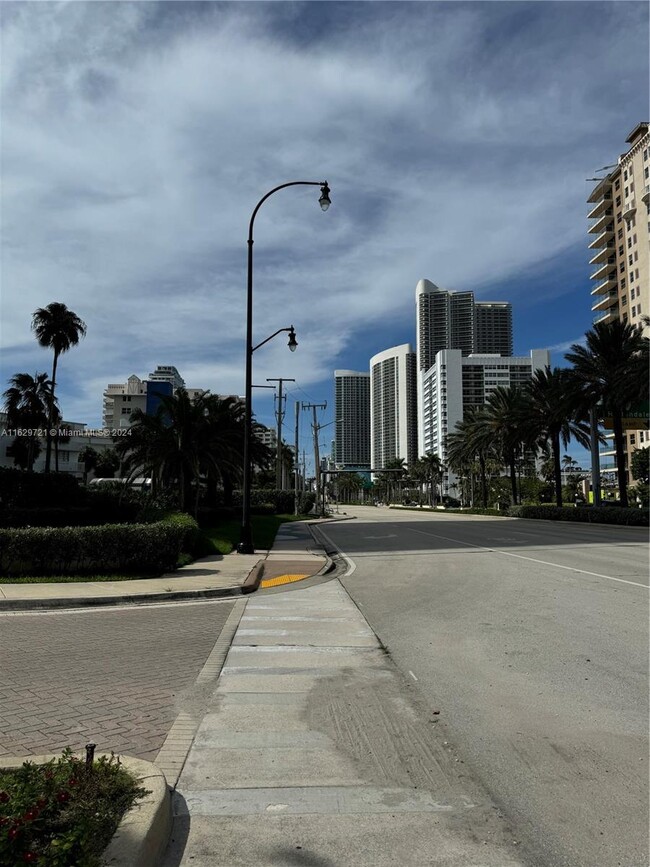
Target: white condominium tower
x,y
456,383
619,211
352,419
393,406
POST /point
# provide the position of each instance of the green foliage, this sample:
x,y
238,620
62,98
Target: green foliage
x,y
63,813
306,502
584,514
280,502
124,548
191,534
24,489
640,464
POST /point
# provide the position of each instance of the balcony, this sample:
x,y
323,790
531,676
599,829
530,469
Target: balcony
x,y
604,268
606,316
600,222
601,205
606,234
608,283
606,301
602,254
629,209
645,198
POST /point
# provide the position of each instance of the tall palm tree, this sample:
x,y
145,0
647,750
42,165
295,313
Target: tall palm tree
x,y
431,468
58,329
472,440
554,416
612,370
504,420
29,405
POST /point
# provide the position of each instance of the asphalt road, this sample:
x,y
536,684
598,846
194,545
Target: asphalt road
x,y
114,676
531,639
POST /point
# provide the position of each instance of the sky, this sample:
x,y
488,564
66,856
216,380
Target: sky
x,y
456,137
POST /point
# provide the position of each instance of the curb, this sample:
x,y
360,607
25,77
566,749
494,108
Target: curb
x,y
144,831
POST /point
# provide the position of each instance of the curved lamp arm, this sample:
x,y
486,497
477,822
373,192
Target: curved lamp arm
x,y
292,338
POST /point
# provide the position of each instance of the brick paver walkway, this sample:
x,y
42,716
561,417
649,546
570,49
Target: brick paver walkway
x,y
114,677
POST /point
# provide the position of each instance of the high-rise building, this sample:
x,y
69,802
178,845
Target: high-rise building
x,y
393,406
352,419
455,321
620,222
122,398
456,383
167,373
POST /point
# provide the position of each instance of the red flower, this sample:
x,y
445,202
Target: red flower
x,y
62,797
30,857
4,797
12,833
41,803
48,775
30,815
73,781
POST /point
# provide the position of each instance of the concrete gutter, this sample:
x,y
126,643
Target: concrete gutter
x,y
143,834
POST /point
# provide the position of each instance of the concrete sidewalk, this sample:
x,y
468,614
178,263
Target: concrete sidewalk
x,y
294,553
314,751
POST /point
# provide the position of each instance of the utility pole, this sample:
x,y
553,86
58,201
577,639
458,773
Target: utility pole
x,y
279,417
315,430
295,460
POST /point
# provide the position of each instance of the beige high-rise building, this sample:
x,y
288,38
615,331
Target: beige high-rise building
x,y
620,224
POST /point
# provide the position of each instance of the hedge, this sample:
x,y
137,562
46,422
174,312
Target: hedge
x,y
584,514
119,548
22,488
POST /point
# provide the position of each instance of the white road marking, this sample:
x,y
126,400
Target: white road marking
x,y
351,564
530,559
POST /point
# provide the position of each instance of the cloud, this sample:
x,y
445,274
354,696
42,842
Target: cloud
x,y
137,138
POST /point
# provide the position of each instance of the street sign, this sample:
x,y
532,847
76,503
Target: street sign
x,y
634,417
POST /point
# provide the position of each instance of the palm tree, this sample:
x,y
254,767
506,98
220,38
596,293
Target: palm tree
x,y
611,370
503,420
555,417
472,440
430,467
58,329
29,404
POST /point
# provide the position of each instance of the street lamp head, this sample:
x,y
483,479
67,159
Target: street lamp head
x,y
292,340
324,200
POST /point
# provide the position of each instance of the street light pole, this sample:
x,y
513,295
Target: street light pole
x,y
246,537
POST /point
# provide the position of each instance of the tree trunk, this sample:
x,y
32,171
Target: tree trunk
x,y
50,413
620,456
513,477
557,471
484,490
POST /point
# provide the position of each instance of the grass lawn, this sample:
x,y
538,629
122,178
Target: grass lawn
x,y
67,579
225,537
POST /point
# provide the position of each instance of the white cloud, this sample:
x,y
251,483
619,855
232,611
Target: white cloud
x,y
138,137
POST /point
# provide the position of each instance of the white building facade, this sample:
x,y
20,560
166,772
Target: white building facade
x,y
456,383
393,406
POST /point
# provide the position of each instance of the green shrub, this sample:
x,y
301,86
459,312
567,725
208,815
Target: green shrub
x,y
24,489
280,502
119,548
584,514
306,502
191,534
47,516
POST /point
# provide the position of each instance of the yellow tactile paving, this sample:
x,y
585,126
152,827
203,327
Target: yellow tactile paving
x,y
282,579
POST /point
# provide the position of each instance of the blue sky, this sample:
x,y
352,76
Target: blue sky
x,y
456,138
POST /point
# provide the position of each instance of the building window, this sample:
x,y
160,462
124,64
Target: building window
x,y
617,186
627,189
621,267
637,273
629,243
636,255
646,172
645,154
629,259
618,201
634,311
624,301
623,283
625,175
620,234
618,218
620,250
